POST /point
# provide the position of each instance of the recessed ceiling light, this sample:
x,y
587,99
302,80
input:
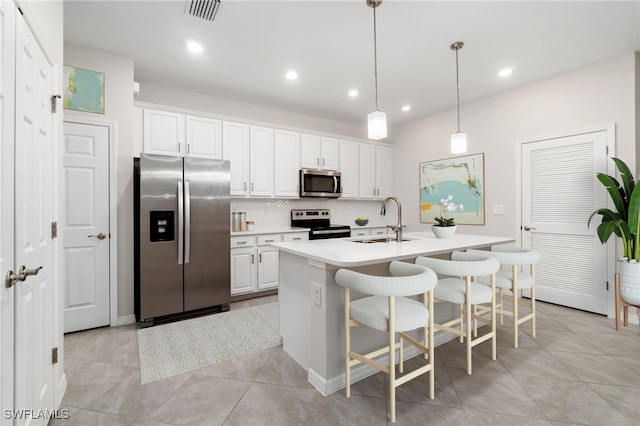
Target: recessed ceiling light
x,y
292,75
406,108
194,47
353,93
506,72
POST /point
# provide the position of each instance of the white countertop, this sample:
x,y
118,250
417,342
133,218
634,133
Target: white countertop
x,y
345,252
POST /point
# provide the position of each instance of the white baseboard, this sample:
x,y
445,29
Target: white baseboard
x,y
362,371
125,320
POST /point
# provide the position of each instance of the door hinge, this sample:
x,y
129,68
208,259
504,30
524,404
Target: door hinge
x,y
54,103
54,229
54,356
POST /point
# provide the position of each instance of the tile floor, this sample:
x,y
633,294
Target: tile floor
x,y
578,370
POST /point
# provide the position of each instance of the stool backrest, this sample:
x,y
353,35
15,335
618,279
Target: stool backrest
x,y
407,280
461,264
510,255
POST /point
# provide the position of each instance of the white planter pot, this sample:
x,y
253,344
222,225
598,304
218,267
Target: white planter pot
x,y
629,281
443,231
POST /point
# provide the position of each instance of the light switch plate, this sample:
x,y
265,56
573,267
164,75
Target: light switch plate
x,y
498,209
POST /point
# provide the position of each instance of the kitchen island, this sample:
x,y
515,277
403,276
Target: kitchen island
x,y
311,303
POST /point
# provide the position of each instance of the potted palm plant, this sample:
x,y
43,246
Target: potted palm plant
x,y
446,226
624,222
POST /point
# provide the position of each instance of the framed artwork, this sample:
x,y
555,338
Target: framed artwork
x,y
83,90
458,181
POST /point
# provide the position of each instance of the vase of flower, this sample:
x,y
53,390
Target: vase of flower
x,y
446,226
443,231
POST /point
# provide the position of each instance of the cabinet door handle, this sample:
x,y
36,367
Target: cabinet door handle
x,y
317,161
253,259
251,186
323,161
244,186
260,258
240,242
296,238
269,241
188,148
179,145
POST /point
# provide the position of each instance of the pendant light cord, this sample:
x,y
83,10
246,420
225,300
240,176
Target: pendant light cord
x,y
458,89
375,54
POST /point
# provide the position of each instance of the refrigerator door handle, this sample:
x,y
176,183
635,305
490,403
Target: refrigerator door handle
x,y
180,223
187,221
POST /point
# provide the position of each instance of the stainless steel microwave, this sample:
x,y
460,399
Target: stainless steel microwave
x,y
320,183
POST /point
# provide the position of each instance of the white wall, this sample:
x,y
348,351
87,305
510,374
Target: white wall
x,y
118,75
597,94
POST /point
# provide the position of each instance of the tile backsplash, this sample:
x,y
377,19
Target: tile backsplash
x,y
276,213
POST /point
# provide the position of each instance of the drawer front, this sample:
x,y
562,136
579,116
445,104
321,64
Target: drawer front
x,y
360,232
248,241
296,236
269,238
379,231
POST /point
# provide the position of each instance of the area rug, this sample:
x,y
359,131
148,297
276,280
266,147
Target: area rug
x,y
169,349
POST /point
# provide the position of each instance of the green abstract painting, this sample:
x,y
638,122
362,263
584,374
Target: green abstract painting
x,y
455,181
83,90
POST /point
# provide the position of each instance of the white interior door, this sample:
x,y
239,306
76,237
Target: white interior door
x,y
86,226
559,193
34,186
7,182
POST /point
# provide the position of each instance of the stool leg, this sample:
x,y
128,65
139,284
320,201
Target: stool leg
x,y
392,360
467,303
493,317
431,350
533,300
514,290
347,343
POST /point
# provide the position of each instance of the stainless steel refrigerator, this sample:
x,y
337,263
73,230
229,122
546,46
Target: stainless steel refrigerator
x,y
182,237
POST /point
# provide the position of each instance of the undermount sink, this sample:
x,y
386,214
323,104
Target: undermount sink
x,y
377,240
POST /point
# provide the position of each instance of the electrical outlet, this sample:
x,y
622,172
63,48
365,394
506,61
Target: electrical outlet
x,y
316,295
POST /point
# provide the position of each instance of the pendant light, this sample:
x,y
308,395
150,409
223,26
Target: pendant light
x,y
377,120
458,139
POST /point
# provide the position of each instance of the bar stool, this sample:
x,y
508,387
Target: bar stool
x,y
456,284
386,309
514,276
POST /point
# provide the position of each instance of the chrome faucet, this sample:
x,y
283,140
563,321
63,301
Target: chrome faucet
x,y
398,227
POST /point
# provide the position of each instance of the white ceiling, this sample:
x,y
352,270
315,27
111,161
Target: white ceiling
x,y
250,45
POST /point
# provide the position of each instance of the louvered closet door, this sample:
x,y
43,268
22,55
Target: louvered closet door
x,y
559,192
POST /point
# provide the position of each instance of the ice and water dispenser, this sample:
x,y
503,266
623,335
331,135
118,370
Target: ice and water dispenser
x,y
162,225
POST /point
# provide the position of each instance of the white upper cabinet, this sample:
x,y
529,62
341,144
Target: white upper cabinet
x,y
163,133
319,152
374,175
170,133
204,137
261,161
286,163
235,148
349,168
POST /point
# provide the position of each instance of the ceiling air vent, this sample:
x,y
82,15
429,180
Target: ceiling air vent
x,y
205,9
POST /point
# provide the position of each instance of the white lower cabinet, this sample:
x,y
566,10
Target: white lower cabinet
x,y
360,232
379,231
254,264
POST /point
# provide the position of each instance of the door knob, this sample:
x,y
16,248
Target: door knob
x,y
100,236
11,278
527,228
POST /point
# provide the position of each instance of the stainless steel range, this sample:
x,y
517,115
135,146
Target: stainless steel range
x,y
319,220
